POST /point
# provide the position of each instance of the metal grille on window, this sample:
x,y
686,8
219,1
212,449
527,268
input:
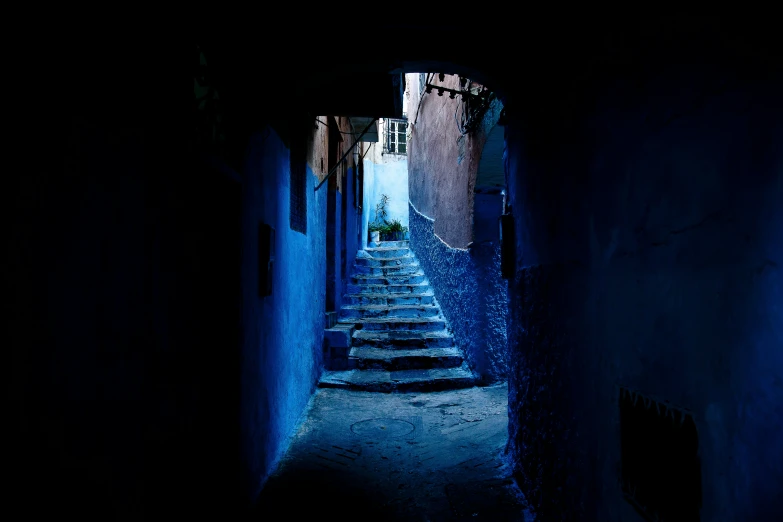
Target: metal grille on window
x,y
396,142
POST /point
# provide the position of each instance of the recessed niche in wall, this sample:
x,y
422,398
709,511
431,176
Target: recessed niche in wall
x,y
660,468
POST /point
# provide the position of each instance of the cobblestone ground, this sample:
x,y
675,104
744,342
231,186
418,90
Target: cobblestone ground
x,y
433,456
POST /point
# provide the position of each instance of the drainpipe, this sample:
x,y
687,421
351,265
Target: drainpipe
x,y
334,169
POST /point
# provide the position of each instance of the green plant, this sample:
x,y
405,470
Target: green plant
x,y
386,229
397,226
378,227
380,224
381,213
393,231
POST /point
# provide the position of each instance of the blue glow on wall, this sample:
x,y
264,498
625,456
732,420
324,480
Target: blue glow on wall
x,y
283,332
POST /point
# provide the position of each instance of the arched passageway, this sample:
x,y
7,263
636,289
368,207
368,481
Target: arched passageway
x,y
645,187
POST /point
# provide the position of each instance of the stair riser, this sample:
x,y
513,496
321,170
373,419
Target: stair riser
x,y
388,289
406,300
390,280
406,363
363,261
387,271
392,252
404,344
424,311
429,326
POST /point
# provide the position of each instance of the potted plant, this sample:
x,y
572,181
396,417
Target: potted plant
x,y
375,232
381,229
394,231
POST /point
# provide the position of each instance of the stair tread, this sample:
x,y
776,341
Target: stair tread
x,y
386,276
399,380
389,307
380,285
387,296
394,264
435,319
402,335
368,352
389,259
390,247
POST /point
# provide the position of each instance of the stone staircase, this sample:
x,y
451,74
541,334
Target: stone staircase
x,y
390,334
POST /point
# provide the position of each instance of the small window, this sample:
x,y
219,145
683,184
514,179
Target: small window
x,y
396,142
422,82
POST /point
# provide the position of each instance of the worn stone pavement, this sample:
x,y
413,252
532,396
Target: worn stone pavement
x,y
372,456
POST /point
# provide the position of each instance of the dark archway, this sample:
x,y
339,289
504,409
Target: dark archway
x,y
603,121
646,194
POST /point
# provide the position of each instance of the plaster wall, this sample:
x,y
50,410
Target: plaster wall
x,y
649,217
352,227
470,292
442,164
282,332
464,270
390,179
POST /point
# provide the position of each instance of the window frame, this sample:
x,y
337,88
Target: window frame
x,y
393,133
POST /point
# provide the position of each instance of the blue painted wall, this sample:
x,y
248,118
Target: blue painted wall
x,y
386,178
650,244
471,294
352,228
333,241
283,332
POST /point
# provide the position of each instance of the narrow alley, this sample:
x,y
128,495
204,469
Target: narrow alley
x,y
417,456
503,268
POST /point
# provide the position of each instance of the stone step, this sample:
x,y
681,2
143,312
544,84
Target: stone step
x,y
389,299
384,271
351,312
405,279
398,340
387,252
365,288
399,323
389,261
394,244
369,358
403,339
435,379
